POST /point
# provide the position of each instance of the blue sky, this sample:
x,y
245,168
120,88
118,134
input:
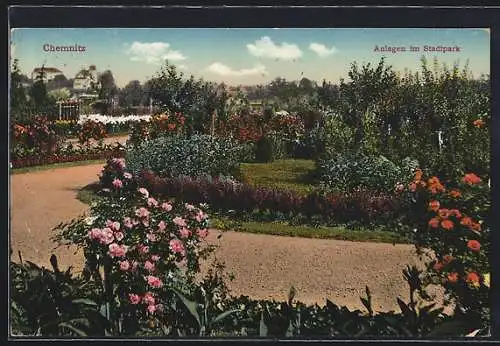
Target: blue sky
x,y
243,56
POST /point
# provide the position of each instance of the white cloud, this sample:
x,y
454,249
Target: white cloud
x,y
322,50
224,70
266,48
182,67
153,52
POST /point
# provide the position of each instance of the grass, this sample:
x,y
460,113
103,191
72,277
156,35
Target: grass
x,y
56,165
283,229
281,174
87,194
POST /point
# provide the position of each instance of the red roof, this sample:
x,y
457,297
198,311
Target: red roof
x,y
47,69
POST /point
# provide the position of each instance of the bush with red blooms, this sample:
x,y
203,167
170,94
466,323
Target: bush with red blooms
x,y
166,124
91,130
452,226
247,127
36,136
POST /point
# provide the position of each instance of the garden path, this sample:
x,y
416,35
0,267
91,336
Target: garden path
x,y
264,266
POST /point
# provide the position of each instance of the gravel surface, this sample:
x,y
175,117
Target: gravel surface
x,y
264,266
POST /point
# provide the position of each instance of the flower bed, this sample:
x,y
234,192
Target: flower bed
x,y
224,195
37,160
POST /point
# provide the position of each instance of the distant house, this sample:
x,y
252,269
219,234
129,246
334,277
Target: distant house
x,y
47,73
86,79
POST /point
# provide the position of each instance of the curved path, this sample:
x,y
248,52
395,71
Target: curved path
x,y
264,266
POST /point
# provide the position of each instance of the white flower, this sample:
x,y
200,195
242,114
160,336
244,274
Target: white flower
x,y
90,220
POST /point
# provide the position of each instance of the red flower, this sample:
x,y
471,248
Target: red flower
x,y
479,123
452,277
473,278
455,194
447,224
466,221
434,205
474,245
444,213
471,179
434,222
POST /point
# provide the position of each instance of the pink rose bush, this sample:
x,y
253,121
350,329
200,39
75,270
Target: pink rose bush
x,y
143,244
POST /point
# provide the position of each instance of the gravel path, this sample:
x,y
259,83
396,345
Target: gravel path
x,y
264,266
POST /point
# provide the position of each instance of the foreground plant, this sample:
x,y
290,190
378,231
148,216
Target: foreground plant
x,y
134,245
452,230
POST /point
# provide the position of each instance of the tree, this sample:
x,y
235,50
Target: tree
x,y
131,95
18,101
108,87
39,97
59,82
195,98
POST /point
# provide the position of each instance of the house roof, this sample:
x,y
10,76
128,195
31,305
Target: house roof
x,y
47,69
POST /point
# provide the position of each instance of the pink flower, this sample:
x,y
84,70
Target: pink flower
x,y
134,298
149,266
176,246
152,202
148,299
119,236
202,233
119,162
124,265
166,206
116,250
185,233
155,258
116,226
162,226
179,221
117,183
142,212
145,223
189,207
144,192
151,237
151,308
143,249
127,222
154,281
135,222
109,223
127,175
107,236
95,234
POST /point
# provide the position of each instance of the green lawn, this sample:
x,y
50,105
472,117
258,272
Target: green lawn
x,y
56,165
283,229
281,174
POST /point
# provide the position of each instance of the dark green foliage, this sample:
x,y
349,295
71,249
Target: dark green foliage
x,y
193,156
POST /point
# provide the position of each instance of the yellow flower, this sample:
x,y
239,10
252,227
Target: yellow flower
x,y
486,279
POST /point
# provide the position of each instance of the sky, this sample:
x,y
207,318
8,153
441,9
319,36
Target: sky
x,y
244,56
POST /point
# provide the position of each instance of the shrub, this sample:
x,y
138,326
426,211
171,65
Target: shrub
x,y
270,147
350,171
139,248
197,155
452,226
91,130
36,136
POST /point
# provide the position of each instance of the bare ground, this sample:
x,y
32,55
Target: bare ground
x,y
264,266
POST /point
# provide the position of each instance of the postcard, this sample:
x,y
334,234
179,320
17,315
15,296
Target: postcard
x,y
250,182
